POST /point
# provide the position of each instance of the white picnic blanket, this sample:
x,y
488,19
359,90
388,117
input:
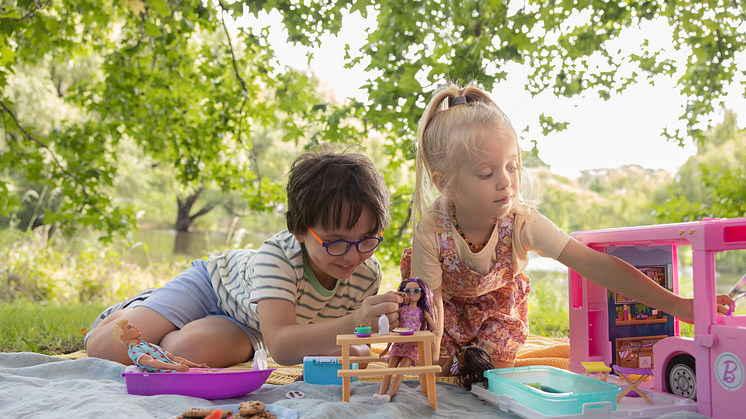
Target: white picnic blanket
x,y
33,385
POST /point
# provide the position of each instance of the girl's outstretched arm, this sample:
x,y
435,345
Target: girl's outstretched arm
x,y
616,275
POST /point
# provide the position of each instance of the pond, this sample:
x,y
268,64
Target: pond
x,y
171,245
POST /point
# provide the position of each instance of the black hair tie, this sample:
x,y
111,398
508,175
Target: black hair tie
x,y
457,101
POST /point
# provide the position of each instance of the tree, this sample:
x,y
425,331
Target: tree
x,y
171,78
151,86
711,183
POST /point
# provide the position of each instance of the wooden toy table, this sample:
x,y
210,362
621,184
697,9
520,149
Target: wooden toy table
x,y
425,368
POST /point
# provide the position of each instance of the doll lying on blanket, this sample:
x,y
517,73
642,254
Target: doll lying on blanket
x,y
149,357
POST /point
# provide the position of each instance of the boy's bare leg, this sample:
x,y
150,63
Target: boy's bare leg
x,y
215,341
153,326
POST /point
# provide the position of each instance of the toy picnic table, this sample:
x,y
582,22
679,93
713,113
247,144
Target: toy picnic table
x,y
425,368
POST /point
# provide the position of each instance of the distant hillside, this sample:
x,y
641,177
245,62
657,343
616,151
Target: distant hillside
x,y
600,198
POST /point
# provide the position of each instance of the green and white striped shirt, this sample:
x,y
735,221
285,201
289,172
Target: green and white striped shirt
x,y
278,269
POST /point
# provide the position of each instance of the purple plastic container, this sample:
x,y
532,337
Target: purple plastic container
x,y
205,385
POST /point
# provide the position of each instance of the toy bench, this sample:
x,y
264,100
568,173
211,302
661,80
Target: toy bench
x,y
425,368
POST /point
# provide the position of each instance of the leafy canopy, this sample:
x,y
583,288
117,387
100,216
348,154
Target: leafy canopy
x,y
174,82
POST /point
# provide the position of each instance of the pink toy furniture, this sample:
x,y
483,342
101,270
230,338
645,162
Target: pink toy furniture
x,y
708,368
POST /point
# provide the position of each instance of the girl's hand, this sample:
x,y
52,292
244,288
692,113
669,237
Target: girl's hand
x,y
374,306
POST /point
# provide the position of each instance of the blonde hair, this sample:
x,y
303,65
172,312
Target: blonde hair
x,y
118,330
447,141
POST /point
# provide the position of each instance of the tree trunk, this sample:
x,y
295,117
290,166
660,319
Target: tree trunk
x,y
183,219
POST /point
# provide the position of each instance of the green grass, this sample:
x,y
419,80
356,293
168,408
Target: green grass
x,y
45,328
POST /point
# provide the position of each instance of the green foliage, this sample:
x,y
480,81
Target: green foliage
x,y
194,98
548,304
711,183
35,270
167,76
602,198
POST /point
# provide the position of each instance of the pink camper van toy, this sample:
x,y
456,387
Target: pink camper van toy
x,y
609,328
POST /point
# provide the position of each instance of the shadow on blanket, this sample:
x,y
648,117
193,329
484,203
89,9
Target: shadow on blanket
x,y
537,351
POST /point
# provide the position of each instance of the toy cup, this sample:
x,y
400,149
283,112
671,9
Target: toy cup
x,y
363,330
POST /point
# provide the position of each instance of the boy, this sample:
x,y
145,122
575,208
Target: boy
x,y
294,295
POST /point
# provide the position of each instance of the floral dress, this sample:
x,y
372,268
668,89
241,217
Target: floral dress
x,y
488,310
410,318
137,350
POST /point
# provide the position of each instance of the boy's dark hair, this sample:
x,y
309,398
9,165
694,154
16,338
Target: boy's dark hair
x,y
334,184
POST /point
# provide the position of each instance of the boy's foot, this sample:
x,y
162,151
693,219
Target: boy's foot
x,y
377,399
142,295
385,399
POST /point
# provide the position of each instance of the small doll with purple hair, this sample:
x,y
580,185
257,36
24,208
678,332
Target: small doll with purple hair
x,y
416,312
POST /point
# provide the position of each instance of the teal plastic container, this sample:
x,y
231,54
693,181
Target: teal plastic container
x,y
323,370
561,392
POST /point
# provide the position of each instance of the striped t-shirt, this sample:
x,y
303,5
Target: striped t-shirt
x,y
278,269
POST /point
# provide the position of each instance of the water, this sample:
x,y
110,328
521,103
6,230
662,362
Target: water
x,y
171,245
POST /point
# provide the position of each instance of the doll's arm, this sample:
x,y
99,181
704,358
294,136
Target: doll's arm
x,y
385,351
186,362
149,361
433,324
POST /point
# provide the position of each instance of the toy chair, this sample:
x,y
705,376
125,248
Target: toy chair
x,y
644,373
601,368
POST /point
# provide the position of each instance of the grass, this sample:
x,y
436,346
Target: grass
x,y
48,329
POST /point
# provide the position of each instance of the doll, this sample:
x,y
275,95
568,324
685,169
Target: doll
x,y
149,357
470,364
416,312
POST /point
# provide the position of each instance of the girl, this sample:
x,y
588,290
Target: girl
x,y
471,244
415,313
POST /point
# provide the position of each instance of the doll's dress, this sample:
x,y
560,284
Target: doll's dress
x,y
136,350
488,310
410,318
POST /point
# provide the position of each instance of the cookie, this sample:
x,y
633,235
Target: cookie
x,y
196,413
203,412
264,414
251,408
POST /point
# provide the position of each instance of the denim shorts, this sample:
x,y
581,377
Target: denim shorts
x,y
190,297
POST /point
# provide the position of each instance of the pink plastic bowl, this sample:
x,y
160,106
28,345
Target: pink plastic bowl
x,y
205,385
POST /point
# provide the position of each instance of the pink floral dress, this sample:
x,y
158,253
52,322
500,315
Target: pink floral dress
x,y
488,310
410,318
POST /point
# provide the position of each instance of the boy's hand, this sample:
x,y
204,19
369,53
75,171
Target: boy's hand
x,y
375,305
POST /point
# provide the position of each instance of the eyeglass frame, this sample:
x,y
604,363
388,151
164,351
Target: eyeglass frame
x,y
412,291
349,243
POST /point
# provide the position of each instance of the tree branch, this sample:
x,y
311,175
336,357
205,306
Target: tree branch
x,y
30,137
244,90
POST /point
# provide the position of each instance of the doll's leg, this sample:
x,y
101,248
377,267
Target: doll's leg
x,y
214,340
393,363
101,343
405,362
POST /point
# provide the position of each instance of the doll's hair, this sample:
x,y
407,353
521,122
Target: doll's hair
x,y
456,119
425,303
117,333
473,361
331,186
